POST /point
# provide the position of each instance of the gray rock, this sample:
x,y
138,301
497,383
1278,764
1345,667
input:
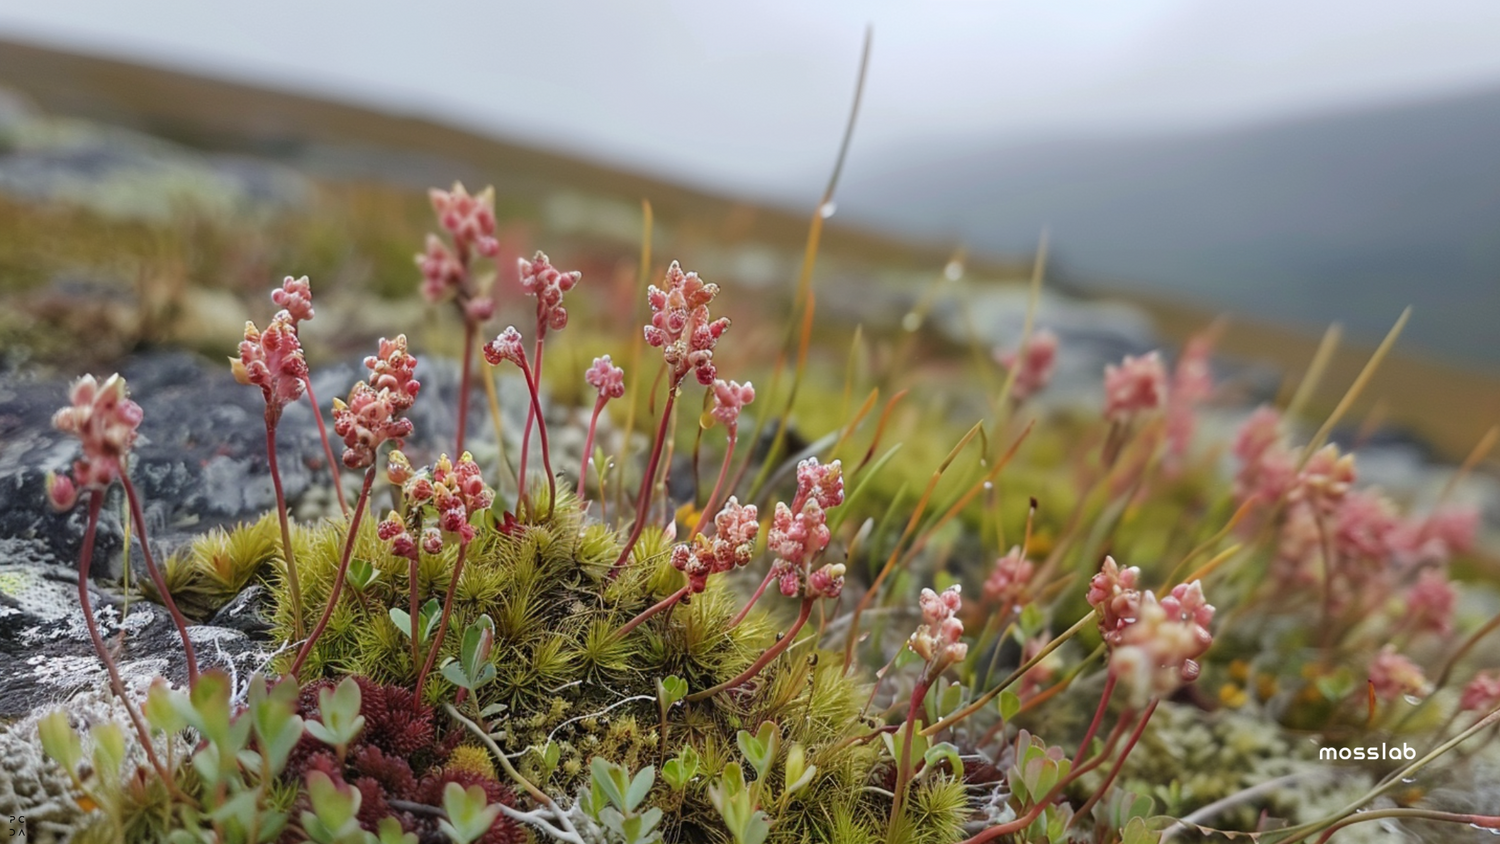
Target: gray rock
x,y
248,613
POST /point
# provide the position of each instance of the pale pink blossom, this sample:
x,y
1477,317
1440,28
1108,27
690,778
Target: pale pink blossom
x,y
1009,579
1033,364
272,360
1482,694
730,397
1393,675
682,327
1267,467
607,378
506,346
1115,593
1436,537
469,219
732,545
938,640
105,420
1192,384
1137,385
394,370
443,274
1430,601
1325,479
1363,526
367,420
548,284
295,297
1158,651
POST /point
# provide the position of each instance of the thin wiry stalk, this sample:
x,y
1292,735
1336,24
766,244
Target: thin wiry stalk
x,y
294,587
333,465
161,584
765,659
338,579
648,480
588,444
464,382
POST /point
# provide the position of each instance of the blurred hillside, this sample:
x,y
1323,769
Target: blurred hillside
x,y
267,183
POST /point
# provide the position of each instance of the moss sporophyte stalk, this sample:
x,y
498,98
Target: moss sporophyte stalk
x,y
452,662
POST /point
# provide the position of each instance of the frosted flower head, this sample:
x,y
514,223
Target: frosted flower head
x,y
1429,603
820,482
1363,526
394,370
368,419
607,378
469,219
443,274
1436,537
1392,675
1137,385
1033,364
458,492
730,397
1482,693
1157,651
272,360
105,420
1268,469
506,346
398,469
1325,479
732,545
827,581
681,325
295,297
1008,581
548,284
1115,593
939,638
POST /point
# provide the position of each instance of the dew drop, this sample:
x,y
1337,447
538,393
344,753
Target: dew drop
x,y
1412,699
826,209
1408,780
988,486
912,321
954,270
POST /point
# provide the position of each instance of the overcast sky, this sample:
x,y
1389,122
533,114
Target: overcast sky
x,y
750,97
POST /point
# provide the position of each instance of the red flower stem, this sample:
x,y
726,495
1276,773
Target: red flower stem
x,y
588,444
85,557
765,659
744,611
903,768
333,465
713,497
415,613
665,603
1109,688
1114,770
338,579
161,584
437,641
531,413
643,499
541,429
463,383
293,583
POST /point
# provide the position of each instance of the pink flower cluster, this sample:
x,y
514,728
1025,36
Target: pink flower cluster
x,y
272,360
1115,593
1430,602
605,377
455,491
1436,537
730,397
1008,581
105,420
682,327
1393,675
1482,693
372,415
1267,467
1033,363
295,297
799,533
548,284
1137,385
1153,644
939,639
507,346
393,532
470,219
732,545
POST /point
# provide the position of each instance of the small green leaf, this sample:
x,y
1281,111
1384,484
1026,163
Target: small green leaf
x,y
59,741
640,786
1010,704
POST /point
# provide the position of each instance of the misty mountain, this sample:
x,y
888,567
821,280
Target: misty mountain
x,y
1345,216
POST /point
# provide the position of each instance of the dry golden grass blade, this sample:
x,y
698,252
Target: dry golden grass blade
x,y
1326,347
1355,389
